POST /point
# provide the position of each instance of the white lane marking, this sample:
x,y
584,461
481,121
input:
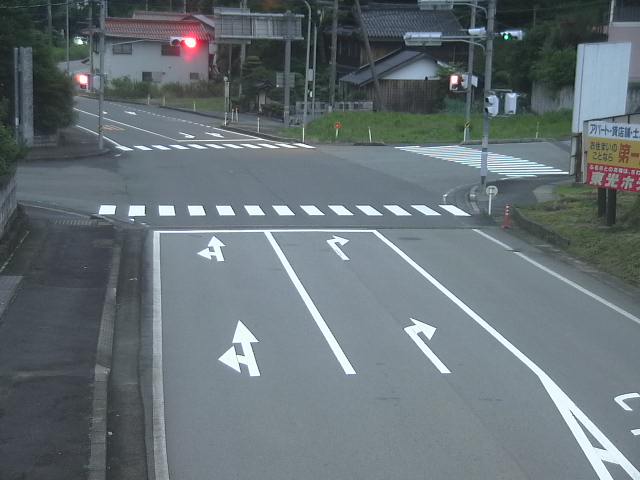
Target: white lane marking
x,y
397,210
142,147
160,147
113,142
414,333
334,242
225,210
575,418
107,210
267,145
312,210
196,146
369,210
188,136
179,147
231,145
254,210
250,145
161,466
621,400
245,338
213,145
137,211
196,210
130,113
571,283
340,210
166,211
127,125
303,145
285,145
214,249
283,210
635,432
452,209
317,317
423,209
213,134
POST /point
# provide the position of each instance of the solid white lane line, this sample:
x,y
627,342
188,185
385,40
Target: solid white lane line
x,y
563,279
285,145
225,210
303,145
107,210
166,211
124,149
160,147
397,210
341,210
452,209
137,211
423,209
107,139
231,145
311,210
283,210
196,146
575,418
142,147
369,210
196,210
213,145
179,147
267,145
254,210
127,125
315,314
250,145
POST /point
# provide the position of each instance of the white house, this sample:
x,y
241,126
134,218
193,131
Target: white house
x,y
141,50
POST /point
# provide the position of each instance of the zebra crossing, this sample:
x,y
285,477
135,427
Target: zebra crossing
x,y
133,211
213,146
506,165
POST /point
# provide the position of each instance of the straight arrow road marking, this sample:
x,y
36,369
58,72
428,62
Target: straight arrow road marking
x,y
414,332
333,243
245,338
214,249
213,134
130,113
186,135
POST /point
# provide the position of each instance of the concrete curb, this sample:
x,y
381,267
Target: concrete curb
x,y
92,154
98,433
538,230
266,136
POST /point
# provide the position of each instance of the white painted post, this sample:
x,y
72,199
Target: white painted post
x,y
303,133
194,105
258,124
370,135
148,99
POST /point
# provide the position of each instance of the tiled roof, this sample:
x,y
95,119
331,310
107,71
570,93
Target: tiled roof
x,y
384,65
156,15
394,22
159,30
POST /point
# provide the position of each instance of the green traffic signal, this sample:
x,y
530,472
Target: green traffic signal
x,y
507,36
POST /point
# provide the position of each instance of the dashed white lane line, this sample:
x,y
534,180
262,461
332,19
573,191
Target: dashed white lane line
x,y
160,147
231,145
196,146
267,145
196,210
452,209
312,210
250,145
283,210
107,210
285,145
137,211
124,149
213,145
397,210
254,210
225,210
423,209
369,210
179,147
303,145
166,211
341,210
142,147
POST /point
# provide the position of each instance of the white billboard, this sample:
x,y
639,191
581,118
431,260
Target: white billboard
x,y
602,78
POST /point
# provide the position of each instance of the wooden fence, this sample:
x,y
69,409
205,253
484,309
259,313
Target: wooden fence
x,y
410,96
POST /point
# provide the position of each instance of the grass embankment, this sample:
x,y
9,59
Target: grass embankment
x,y
389,127
573,215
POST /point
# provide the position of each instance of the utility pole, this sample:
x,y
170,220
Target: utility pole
x,y
49,22
334,51
372,65
315,55
103,8
67,34
243,54
91,69
287,67
467,110
491,14
306,73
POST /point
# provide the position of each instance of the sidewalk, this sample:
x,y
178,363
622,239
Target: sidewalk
x,y
74,143
48,342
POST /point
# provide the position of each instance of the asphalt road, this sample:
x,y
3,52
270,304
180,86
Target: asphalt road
x,y
335,312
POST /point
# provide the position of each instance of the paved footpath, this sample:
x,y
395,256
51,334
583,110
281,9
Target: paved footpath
x,y
55,285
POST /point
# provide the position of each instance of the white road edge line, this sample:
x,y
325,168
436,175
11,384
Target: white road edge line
x,y
571,283
113,142
161,465
575,418
322,325
127,125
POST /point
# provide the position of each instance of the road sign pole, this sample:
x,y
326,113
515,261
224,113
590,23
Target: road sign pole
x,y
306,73
467,112
611,207
487,89
102,77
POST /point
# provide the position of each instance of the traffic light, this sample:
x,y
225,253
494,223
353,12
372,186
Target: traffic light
x,y
512,35
492,105
83,81
455,82
188,42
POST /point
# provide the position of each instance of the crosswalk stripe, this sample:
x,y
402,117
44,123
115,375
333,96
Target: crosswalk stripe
x,y
369,210
107,210
396,210
196,146
340,210
283,210
137,210
231,145
452,209
267,145
250,145
124,149
303,145
142,147
285,145
254,210
423,209
213,145
160,147
225,210
196,210
166,211
312,210
179,147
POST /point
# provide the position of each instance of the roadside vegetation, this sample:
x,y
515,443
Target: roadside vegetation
x,y
394,128
574,216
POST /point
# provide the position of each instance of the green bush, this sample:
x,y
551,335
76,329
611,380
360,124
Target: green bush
x,y
124,87
9,151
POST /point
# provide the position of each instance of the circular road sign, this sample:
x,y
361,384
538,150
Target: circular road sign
x,y
492,190
338,125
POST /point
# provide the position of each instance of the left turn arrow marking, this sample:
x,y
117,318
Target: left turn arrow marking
x,y
214,249
230,358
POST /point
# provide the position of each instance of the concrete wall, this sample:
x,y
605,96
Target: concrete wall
x,y
147,57
544,100
415,71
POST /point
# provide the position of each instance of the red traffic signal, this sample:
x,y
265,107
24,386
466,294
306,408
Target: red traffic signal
x,y
188,42
83,80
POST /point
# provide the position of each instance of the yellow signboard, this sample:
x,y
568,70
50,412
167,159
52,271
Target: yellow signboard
x,y
614,152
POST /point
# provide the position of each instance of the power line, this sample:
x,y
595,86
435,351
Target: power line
x,y
70,2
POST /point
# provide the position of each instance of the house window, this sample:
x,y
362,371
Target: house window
x,y
122,49
194,76
152,76
170,50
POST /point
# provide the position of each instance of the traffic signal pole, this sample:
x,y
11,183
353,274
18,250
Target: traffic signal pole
x,y
101,89
491,14
467,110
